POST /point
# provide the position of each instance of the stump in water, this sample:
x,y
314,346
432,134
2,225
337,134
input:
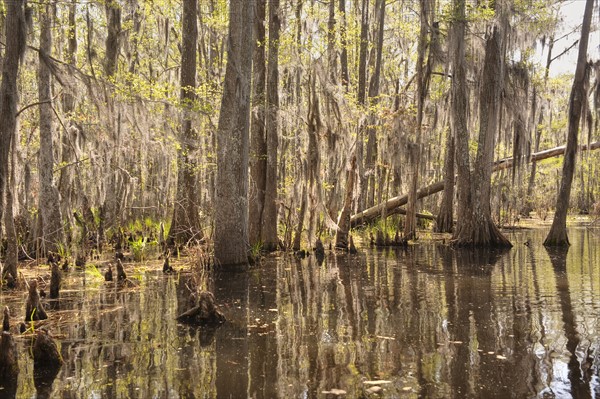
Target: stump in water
x,y
351,246
121,276
55,281
47,362
9,364
167,268
33,308
108,276
45,351
65,265
205,314
6,320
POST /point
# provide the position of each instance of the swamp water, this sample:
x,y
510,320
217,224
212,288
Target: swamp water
x,y
426,322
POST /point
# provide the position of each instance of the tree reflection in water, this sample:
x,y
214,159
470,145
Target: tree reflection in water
x,y
428,321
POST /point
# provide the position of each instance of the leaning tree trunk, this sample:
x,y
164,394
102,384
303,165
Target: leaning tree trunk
x,y
269,216
13,53
231,212
185,225
258,142
558,232
49,202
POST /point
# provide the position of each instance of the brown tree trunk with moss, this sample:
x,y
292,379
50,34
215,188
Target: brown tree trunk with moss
x,y
258,141
475,227
185,225
231,210
49,202
269,216
558,232
14,50
427,8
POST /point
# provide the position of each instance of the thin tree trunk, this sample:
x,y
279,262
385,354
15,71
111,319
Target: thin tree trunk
x,y
185,225
70,135
13,53
361,98
341,235
258,142
49,206
423,71
445,219
371,153
558,232
269,219
344,43
231,212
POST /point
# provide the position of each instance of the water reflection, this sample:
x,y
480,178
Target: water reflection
x,y
427,321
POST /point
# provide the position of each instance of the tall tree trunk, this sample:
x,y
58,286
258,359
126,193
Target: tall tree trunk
x,y
344,43
13,53
361,98
475,226
459,118
558,232
269,219
371,153
112,49
423,71
70,135
49,202
258,141
185,225
231,212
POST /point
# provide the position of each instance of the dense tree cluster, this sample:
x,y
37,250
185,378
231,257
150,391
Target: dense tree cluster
x,y
267,124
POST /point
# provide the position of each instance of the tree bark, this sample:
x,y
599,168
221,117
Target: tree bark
x,y
558,232
445,219
185,225
70,134
231,212
13,53
344,43
370,161
475,227
258,141
49,202
269,219
410,225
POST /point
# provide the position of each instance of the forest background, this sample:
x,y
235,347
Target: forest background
x,y
268,124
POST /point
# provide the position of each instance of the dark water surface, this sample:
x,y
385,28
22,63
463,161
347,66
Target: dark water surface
x,y
426,322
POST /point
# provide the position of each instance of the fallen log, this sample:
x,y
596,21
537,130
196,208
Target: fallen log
x,y
390,205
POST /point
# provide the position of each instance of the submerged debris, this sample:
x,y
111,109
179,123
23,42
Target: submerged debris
x,y
205,314
34,310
